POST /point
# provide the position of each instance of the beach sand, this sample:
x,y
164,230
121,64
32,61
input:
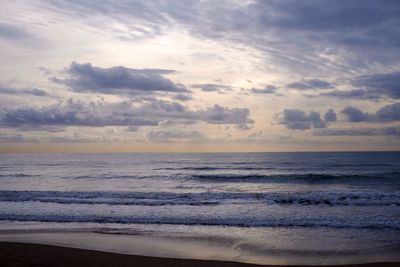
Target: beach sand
x,y
24,254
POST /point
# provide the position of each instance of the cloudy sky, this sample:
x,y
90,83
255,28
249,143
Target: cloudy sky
x,y
127,76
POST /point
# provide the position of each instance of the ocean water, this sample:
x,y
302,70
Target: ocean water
x,y
325,207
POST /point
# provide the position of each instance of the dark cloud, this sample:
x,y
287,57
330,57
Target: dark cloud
x,y
211,87
387,84
310,85
388,113
299,120
166,136
177,113
117,80
99,114
354,114
75,113
182,97
223,115
293,34
24,91
67,116
329,16
268,89
330,116
387,131
352,94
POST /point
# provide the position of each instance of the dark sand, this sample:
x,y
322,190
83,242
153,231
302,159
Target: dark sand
x,y
22,254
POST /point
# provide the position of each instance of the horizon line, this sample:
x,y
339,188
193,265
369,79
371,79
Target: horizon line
x,y
203,152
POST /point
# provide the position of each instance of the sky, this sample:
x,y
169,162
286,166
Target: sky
x,y
199,76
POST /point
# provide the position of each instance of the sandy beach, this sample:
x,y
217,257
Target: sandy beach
x,y
23,254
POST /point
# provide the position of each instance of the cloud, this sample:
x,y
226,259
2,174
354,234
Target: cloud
x,y
310,85
317,48
13,32
76,138
388,113
24,91
387,131
211,87
315,35
166,136
74,114
352,94
118,80
224,115
299,120
268,89
354,114
176,113
99,114
182,97
132,129
330,116
387,84
16,138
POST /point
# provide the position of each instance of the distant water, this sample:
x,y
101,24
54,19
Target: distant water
x,y
332,194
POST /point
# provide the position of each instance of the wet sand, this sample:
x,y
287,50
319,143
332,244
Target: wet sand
x,y
23,254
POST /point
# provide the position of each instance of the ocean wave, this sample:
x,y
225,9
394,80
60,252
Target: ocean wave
x,y
108,176
358,165
307,177
205,198
248,178
207,168
375,223
17,175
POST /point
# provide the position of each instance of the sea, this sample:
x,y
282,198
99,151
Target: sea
x,y
268,208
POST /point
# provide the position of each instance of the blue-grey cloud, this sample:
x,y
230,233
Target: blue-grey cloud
x,y
268,89
355,114
182,97
386,131
99,114
299,120
132,129
56,117
387,84
310,85
224,115
16,138
212,87
23,91
78,138
388,113
330,116
309,28
118,80
13,32
353,94
167,136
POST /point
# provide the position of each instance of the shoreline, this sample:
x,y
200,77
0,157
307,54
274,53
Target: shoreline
x,y
198,248
14,254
